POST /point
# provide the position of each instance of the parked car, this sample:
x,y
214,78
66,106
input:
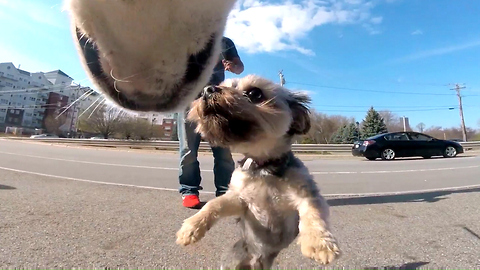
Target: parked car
x,y
44,136
389,146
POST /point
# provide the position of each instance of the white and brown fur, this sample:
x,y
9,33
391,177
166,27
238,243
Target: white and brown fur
x,y
275,197
149,55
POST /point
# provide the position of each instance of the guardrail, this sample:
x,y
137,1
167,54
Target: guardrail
x,y
173,145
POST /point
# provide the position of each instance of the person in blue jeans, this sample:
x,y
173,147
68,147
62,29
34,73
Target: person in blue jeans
x,y
189,174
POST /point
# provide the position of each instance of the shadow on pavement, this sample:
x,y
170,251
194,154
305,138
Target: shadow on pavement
x,y
412,265
7,187
430,197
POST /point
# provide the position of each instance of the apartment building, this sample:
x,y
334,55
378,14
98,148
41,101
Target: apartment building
x,y
35,100
169,124
28,99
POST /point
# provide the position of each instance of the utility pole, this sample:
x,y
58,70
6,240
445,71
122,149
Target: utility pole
x,y
282,78
74,110
460,107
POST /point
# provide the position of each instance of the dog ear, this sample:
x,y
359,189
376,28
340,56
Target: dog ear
x,y
300,113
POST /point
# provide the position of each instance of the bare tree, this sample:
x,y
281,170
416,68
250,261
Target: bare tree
x,y
52,123
126,127
421,127
103,121
393,122
450,133
143,129
323,127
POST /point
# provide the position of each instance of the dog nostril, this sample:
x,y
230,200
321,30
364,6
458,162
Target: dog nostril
x,y
211,89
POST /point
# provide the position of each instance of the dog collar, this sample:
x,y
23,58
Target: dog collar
x,y
276,166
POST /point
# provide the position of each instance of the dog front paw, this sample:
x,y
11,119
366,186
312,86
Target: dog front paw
x,y
192,231
321,247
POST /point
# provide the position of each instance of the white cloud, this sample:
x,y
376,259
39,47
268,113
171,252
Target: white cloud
x,y
417,32
268,26
376,20
437,51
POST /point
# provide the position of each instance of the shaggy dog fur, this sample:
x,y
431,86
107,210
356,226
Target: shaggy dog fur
x,y
271,191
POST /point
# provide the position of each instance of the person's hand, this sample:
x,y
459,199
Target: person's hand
x,y
229,65
233,66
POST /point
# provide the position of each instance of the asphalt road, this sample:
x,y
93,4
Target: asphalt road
x,y
66,207
160,170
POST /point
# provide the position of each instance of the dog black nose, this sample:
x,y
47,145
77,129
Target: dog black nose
x,y
210,90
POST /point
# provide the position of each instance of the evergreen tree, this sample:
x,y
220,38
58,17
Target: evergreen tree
x,y
350,133
337,137
373,124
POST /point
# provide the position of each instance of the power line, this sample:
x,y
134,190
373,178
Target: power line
x,y
33,89
395,111
385,106
27,106
371,90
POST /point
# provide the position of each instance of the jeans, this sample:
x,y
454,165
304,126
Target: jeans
x,y
189,174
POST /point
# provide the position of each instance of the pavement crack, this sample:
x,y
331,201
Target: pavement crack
x,y
471,232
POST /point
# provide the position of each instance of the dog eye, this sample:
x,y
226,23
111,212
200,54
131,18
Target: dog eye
x,y
255,95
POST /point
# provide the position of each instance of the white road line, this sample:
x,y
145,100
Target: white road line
x,y
400,171
211,171
93,181
93,162
211,192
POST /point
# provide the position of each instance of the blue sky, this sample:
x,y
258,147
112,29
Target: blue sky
x,y
399,55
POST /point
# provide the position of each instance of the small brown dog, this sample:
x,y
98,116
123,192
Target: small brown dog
x,y
271,191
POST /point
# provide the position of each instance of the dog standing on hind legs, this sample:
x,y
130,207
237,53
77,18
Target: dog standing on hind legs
x,y
271,191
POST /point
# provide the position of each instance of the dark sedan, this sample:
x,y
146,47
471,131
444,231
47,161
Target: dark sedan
x,y
389,146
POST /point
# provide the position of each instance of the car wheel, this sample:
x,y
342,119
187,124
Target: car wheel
x,y
427,157
371,158
450,152
388,154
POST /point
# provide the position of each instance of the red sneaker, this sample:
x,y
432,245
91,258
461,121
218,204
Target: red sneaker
x,y
191,201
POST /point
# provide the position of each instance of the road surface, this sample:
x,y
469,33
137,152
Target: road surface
x,y
67,207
